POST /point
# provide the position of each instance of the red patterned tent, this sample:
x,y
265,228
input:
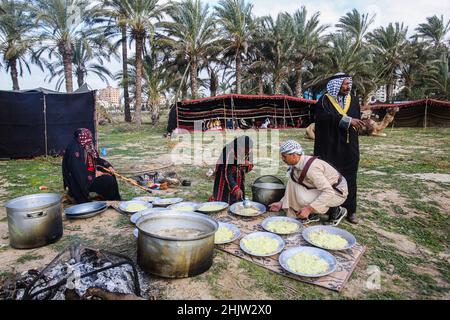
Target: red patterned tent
x,y
421,113
284,111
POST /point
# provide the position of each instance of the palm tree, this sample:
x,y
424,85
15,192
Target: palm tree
x,y
235,19
438,79
87,59
59,22
307,43
279,38
435,30
16,41
141,18
111,16
389,46
356,25
191,35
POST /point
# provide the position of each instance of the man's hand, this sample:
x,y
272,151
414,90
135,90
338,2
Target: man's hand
x,y
305,213
276,207
358,124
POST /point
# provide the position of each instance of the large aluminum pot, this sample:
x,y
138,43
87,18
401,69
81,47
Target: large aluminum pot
x,y
268,190
35,220
172,255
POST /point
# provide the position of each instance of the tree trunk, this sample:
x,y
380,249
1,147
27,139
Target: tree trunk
x,y
80,78
299,85
214,83
138,95
238,73
126,92
260,85
67,61
388,93
277,86
14,74
194,80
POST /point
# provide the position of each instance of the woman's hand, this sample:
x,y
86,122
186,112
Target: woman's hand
x,y
239,194
98,173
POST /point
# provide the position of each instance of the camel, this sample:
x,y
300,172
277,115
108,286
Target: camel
x,y
372,128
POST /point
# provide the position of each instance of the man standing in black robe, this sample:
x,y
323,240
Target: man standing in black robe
x,y
338,116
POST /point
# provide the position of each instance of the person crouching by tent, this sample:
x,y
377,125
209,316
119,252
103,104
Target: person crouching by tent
x,y
234,162
80,170
314,187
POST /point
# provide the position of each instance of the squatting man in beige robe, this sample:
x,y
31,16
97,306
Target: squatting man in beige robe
x,y
314,187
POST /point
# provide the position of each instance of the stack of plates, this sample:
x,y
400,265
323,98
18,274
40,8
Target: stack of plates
x,y
85,210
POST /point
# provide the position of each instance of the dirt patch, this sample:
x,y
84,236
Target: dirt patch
x,y
434,177
401,242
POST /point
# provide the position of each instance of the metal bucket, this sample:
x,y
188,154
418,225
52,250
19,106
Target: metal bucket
x,y
172,256
35,220
268,190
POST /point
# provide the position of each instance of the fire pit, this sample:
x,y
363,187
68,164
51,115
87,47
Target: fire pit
x,y
79,273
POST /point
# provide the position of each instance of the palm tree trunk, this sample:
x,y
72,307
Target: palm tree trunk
x,y
388,93
67,61
138,95
238,73
260,85
126,92
80,78
277,86
299,85
14,74
194,80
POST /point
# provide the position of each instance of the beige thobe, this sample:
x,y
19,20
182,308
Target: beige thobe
x,y
322,196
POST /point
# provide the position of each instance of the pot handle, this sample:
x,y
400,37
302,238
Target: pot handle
x,y
36,215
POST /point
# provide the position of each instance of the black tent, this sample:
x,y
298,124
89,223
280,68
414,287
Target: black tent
x,y
41,122
284,111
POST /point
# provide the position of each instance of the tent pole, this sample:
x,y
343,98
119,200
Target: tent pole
x,y
45,125
284,113
232,112
426,114
96,119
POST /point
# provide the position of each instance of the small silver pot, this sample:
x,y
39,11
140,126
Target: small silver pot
x,y
172,257
268,190
34,221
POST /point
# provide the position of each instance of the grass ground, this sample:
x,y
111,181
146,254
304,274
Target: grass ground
x,y
404,192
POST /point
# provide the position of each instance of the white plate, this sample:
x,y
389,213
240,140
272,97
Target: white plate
x,y
266,222
193,206
167,202
232,228
123,205
280,241
288,254
147,199
237,207
202,207
332,230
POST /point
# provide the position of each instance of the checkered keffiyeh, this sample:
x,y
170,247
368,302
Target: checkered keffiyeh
x,y
335,85
291,147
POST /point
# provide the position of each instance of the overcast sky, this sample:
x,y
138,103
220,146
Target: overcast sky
x,y
410,12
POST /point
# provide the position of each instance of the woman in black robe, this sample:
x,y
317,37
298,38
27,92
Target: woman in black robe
x,y
235,161
338,115
81,174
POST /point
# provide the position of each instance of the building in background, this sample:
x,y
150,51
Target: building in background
x,y
380,94
110,98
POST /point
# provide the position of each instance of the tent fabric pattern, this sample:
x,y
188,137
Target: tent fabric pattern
x,y
41,122
281,109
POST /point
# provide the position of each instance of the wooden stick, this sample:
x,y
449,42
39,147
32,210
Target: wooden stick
x,y
130,181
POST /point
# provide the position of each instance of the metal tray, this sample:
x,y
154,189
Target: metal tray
x,y
266,222
223,204
288,254
85,208
123,206
281,243
87,215
235,208
150,199
333,230
232,228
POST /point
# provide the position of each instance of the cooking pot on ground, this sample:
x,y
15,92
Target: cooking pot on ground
x,y
34,220
175,244
268,189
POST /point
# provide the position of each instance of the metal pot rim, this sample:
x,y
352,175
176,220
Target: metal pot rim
x,y
166,214
11,203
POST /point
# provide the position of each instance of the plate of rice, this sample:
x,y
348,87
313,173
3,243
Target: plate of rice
x,y
308,262
212,207
262,244
329,238
282,225
226,233
134,206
